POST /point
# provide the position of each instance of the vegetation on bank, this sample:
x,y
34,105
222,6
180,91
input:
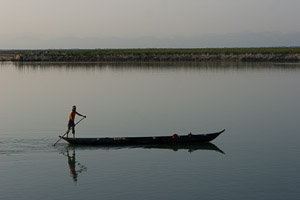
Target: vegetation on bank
x,y
178,51
149,55
93,52
189,51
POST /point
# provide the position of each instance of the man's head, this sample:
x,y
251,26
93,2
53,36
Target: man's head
x,y
74,108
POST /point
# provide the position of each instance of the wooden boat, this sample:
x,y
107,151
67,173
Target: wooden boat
x,y
174,139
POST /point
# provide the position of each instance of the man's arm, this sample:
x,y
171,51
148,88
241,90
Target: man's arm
x,y
80,115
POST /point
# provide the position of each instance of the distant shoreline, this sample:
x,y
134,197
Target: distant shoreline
x,y
154,55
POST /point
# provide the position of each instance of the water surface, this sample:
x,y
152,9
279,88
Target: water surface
x,y
256,158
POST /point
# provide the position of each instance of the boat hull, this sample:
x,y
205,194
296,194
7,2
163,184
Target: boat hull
x,y
182,139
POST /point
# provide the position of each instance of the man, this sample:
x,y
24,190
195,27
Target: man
x,y
71,122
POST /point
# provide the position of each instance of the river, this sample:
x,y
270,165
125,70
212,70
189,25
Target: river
x,y
256,158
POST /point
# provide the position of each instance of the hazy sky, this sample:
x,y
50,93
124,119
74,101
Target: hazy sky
x,y
148,23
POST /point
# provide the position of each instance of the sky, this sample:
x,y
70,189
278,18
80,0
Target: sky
x,y
48,24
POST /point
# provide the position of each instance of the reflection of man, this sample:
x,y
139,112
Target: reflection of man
x,y
72,162
72,165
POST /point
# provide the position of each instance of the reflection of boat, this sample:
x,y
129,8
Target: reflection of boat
x,y
191,147
174,139
76,168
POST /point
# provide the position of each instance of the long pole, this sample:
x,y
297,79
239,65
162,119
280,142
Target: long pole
x,y
67,132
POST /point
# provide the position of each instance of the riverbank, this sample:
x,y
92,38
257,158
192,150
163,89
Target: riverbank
x,y
154,55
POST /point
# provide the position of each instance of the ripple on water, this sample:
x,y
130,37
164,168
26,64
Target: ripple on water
x,y
23,146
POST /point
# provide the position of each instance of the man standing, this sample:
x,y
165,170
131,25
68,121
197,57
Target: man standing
x,y
71,122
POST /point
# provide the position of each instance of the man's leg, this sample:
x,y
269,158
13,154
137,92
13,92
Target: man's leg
x,y
73,131
67,132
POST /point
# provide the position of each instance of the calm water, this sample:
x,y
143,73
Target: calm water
x,y
256,158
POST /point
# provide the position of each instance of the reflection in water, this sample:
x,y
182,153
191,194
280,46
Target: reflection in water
x,y
73,164
198,66
174,147
77,168
190,147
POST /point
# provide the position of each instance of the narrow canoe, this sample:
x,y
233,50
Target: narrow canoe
x,y
174,139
